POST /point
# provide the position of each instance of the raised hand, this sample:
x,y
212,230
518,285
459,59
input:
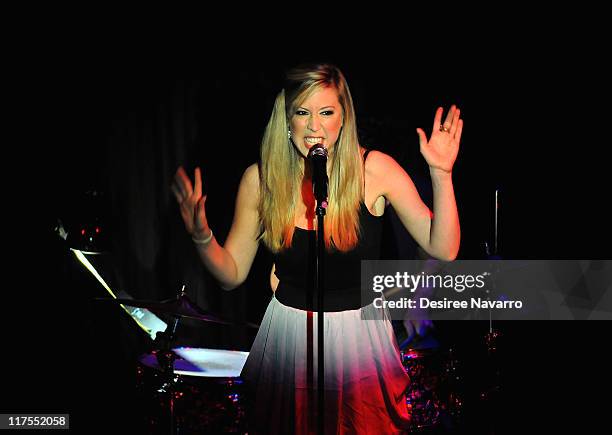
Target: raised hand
x,y
191,202
440,151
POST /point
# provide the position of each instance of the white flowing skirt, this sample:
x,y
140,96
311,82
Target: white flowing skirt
x,y
365,381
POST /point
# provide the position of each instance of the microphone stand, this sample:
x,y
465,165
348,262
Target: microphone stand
x,y
318,157
319,267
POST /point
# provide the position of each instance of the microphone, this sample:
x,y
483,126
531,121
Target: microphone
x,y
318,158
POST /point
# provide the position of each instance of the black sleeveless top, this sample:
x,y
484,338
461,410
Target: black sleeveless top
x,y
295,268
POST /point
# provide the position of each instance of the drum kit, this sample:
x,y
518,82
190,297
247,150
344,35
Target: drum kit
x,y
433,397
188,390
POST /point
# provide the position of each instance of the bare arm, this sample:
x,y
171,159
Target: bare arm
x,y
242,240
438,233
229,264
438,237
445,232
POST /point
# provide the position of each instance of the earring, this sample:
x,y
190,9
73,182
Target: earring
x,y
288,134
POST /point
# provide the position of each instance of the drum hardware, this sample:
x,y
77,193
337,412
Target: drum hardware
x,y
164,354
189,390
181,306
492,386
208,392
433,398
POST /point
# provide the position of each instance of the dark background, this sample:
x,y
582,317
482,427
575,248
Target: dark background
x,y
118,123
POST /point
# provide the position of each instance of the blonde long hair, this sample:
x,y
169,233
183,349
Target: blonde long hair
x,y
281,171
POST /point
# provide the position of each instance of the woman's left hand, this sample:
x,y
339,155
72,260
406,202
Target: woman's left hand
x,y
440,151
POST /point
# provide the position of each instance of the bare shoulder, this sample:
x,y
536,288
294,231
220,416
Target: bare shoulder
x,y
248,191
385,174
378,158
378,172
380,165
250,180
251,174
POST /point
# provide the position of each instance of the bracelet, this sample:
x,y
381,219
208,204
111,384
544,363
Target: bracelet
x,y
205,241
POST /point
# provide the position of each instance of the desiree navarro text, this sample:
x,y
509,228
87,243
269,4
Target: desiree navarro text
x,y
446,304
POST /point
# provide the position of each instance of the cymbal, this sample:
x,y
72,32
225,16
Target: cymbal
x,y
181,306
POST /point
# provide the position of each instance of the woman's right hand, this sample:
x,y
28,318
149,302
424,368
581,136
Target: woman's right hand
x,y
191,203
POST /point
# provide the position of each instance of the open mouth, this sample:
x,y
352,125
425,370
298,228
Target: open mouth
x,y
312,141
